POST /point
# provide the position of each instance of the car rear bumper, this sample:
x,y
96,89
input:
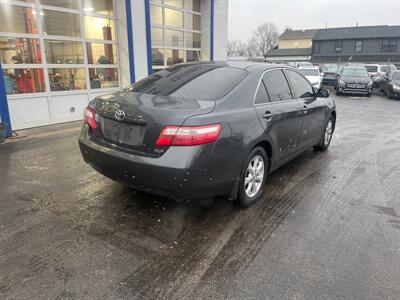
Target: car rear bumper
x,y
181,173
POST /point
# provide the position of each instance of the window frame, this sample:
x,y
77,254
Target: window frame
x,y
184,30
387,42
271,102
338,46
36,6
360,47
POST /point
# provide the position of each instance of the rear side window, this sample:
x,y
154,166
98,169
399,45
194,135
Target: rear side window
x,y
301,87
372,68
262,95
191,81
277,86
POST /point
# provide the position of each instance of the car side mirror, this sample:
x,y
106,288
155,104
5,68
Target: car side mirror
x,y
323,93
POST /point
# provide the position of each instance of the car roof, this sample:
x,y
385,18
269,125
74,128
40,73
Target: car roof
x,y
308,68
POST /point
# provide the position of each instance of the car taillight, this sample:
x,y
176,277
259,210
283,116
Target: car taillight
x,y
90,117
188,135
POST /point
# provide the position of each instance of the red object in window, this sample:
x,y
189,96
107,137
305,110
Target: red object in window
x,y
188,135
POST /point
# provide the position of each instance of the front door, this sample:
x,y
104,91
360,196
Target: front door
x,y
278,113
313,109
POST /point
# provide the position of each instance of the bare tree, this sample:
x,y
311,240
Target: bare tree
x,y
236,48
265,38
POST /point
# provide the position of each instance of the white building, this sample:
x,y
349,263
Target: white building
x,y
57,55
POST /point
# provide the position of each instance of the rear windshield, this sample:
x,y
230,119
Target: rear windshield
x,y
355,72
396,76
371,68
309,72
191,81
329,68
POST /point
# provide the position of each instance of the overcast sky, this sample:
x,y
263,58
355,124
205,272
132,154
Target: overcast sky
x,y
245,15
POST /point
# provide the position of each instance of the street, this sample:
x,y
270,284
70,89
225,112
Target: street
x,y
327,228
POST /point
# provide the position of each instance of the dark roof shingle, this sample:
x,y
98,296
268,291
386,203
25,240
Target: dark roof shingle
x,y
361,32
298,34
289,52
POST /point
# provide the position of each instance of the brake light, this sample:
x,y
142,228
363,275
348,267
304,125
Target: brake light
x,y
188,135
90,117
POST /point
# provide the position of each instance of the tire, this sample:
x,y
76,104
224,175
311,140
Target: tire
x,y
369,94
247,196
324,143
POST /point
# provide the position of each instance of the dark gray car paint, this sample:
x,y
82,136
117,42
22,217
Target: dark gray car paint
x,y
211,169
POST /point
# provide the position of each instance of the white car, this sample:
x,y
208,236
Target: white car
x,y
313,75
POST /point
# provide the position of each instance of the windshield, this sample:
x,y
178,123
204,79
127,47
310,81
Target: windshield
x,y
371,68
309,72
396,76
355,72
194,81
329,68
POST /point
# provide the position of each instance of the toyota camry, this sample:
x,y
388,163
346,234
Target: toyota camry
x,y
201,130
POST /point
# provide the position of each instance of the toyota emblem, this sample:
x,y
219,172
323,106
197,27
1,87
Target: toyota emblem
x,y
120,115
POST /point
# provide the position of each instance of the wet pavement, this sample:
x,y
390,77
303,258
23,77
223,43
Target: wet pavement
x,y
327,228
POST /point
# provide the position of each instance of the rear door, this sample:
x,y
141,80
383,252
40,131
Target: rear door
x,y
278,113
312,108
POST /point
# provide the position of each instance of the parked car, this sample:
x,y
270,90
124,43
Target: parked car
x,y
376,72
313,75
201,130
354,80
390,84
303,64
329,73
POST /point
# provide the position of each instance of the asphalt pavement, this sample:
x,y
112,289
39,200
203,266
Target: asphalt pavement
x,y
327,228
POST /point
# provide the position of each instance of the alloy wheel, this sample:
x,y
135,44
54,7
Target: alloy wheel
x,y
254,176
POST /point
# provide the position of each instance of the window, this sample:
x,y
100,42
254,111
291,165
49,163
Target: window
x,y
389,45
67,79
102,7
26,48
385,69
277,86
193,40
359,45
103,78
173,18
156,15
317,47
338,46
17,19
174,56
192,21
194,5
74,4
157,57
176,35
262,95
103,54
63,52
371,68
99,28
177,3
355,72
193,56
301,87
19,51
197,82
174,38
24,81
61,23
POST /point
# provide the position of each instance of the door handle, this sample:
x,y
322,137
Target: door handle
x,y
267,115
305,108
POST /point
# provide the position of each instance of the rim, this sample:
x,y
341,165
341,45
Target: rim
x,y
254,176
328,132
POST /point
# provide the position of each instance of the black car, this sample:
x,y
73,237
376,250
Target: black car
x,y
201,130
390,84
354,80
329,74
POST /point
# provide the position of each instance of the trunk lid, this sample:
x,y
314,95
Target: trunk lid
x,y
133,121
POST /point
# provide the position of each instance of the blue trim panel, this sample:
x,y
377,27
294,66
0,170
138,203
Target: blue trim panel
x,y
131,53
148,37
4,112
212,31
